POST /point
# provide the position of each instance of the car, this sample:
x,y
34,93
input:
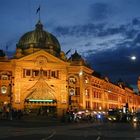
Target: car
x,y
114,115
136,118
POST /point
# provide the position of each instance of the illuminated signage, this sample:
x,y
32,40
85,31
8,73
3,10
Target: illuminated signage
x,y
34,100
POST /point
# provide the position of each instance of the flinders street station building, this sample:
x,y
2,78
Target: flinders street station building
x,y
40,75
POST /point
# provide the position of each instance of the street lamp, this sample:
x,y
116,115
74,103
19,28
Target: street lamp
x,y
81,73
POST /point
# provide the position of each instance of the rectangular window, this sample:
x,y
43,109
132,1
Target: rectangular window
x,y
23,73
49,74
77,91
53,74
28,73
45,73
35,72
57,74
87,104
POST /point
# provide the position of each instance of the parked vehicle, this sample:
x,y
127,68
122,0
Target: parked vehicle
x,y
136,118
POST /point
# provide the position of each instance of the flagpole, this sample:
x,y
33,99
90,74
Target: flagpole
x,y
38,12
39,15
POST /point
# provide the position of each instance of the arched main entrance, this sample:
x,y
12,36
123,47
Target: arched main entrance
x,y
39,108
41,100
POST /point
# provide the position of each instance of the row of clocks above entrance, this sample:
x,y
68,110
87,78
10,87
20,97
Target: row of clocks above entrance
x,y
74,80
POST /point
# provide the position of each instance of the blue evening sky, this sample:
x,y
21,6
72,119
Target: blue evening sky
x,y
105,32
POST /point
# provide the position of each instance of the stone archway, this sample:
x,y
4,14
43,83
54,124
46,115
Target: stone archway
x,y
41,97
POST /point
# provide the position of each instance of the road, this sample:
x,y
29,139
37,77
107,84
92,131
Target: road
x,y
42,130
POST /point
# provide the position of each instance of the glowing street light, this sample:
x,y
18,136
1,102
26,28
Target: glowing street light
x,y
80,73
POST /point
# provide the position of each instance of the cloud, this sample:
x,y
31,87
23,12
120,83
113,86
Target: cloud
x,y
99,28
89,37
99,11
117,63
107,48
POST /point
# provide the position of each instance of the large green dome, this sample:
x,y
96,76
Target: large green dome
x,y
39,38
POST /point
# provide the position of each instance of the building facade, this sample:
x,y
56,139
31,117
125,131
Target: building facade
x,y
40,75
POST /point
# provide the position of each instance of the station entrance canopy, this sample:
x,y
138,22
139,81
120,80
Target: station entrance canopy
x,y
41,93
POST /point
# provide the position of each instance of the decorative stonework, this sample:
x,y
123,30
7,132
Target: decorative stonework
x,y
63,98
17,93
41,90
41,61
63,94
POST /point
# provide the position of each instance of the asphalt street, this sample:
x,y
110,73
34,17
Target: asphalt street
x,y
45,130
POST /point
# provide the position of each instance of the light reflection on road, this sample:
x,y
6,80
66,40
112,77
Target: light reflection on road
x,y
135,125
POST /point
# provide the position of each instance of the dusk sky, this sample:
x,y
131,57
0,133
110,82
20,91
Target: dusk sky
x,y
105,32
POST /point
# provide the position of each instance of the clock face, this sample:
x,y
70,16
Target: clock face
x,y
3,89
72,80
71,91
41,61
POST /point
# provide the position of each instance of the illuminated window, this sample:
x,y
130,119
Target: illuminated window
x,y
53,74
45,73
35,72
56,74
28,72
77,91
87,104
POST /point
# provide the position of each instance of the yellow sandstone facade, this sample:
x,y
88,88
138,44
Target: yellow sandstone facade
x,y
40,75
